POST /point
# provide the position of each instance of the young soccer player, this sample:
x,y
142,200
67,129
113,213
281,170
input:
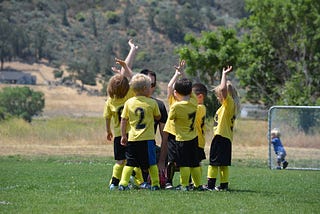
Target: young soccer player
x,y
201,91
183,114
139,112
220,150
118,91
161,151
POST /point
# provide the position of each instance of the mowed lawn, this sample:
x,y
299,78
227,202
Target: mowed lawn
x,y
77,184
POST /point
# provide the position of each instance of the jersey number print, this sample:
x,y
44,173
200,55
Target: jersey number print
x,y
192,117
140,113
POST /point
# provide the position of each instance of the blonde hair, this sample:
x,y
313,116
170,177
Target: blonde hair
x,y
233,93
118,86
275,132
140,82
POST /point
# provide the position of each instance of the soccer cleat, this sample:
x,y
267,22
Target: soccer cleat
x,y
155,188
219,188
209,189
278,167
199,188
145,185
112,187
123,188
285,164
169,186
182,188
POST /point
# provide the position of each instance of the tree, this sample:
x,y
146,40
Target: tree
x,y
22,102
5,41
206,56
281,51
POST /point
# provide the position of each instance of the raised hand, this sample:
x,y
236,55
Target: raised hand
x,y
227,70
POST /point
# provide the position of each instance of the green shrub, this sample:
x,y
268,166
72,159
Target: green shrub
x,y
22,102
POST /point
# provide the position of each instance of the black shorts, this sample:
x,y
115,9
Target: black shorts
x,y
187,153
220,151
119,151
172,148
201,154
141,154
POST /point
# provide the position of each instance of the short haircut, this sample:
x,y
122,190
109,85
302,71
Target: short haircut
x,y
118,86
275,132
140,82
199,88
183,86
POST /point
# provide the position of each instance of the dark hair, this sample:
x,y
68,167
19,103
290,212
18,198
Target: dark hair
x,y
151,73
183,86
199,88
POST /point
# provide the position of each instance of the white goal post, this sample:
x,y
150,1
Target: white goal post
x,y
299,128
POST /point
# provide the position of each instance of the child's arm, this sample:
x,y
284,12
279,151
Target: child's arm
x,y
223,83
123,126
132,53
108,129
125,70
179,72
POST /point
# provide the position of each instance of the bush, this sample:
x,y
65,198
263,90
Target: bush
x,y
21,102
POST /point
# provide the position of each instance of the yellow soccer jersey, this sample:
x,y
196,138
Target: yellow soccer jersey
x,y
200,125
140,112
169,126
224,119
183,113
113,109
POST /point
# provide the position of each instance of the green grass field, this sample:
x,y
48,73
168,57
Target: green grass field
x,y
77,184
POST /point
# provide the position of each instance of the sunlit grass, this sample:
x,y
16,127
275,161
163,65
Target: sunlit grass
x,y
51,184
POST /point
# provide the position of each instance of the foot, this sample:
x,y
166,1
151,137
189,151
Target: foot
x,y
168,186
219,188
155,188
285,164
112,187
145,185
123,188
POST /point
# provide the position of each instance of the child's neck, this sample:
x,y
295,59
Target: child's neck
x,y
184,98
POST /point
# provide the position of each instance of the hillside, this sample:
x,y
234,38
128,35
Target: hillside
x,y
90,34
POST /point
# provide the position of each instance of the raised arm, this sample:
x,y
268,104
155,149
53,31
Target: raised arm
x,y
179,72
125,69
223,83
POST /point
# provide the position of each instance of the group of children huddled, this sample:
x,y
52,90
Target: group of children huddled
x,y
136,116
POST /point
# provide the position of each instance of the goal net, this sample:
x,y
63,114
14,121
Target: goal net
x,y
299,128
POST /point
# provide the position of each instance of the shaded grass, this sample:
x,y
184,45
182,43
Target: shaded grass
x,y
79,185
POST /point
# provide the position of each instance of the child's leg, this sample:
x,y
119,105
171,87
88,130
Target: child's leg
x,y
196,176
224,177
116,172
138,177
154,175
170,172
126,173
184,176
212,176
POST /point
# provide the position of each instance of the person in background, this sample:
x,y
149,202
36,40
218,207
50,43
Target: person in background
x,y
278,148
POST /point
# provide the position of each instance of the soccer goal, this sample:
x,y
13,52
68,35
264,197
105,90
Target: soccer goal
x,y
299,128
